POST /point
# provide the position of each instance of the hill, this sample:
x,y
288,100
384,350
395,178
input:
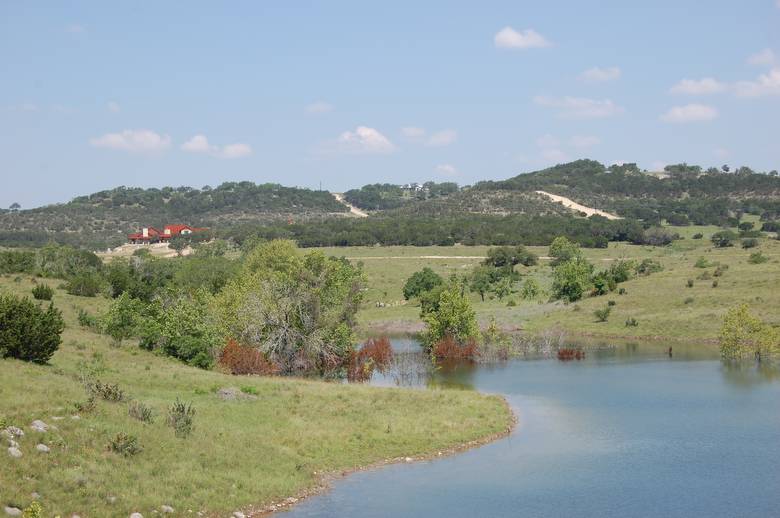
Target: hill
x,y
103,218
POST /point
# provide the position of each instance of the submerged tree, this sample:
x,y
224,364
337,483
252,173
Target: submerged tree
x,y
451,317
743,335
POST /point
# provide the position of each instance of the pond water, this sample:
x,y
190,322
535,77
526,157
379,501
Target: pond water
x,y
626,432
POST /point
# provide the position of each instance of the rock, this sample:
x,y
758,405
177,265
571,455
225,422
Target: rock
x,y
166,509
75,516
136,515
408,459
13,431
57,418
14,452
232,393
75,416
238,514
39,426
13,511
13,444
42,448
35,495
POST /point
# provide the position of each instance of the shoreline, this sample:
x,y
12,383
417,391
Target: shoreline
x,y
324,481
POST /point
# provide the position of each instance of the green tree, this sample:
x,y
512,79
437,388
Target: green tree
x,y
420,282
563,250
572,279
743,335
723,238
503,288
27,331
530,289
480,281
453,316
121,320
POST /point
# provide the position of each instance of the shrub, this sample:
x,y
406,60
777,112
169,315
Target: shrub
x,y
723,238
657,236
571,279
698,235
746,226
84,284
27,331
701,262
375,354
757,258
622,291
688,300
750,242
87,406
87,320
611,303
121,320
648,266
140,411
704,276
124,444
105,391
715,283
249,389
240,359
420,282
530,289
451,316
449,348
720,270
602,315
180,417
632,322
42,292
689,283
34,510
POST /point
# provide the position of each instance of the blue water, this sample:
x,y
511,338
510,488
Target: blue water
x,y
616,435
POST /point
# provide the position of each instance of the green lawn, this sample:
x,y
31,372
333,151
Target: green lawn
x,y
242,453
657,302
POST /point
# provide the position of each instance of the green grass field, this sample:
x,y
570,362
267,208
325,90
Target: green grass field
x,y
660,302
242,453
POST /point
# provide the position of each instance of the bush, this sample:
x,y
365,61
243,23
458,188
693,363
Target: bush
x,y
720,270
106,391
42,292
632,322
688,300
450,349
240,359
27,331
750,242
689,283
723,238
648,266
715,283
180,417
698,235
87,320
702,262
704,276
138,410
611,303
124,444
657,236
375,354
84,284
757,258
622,291
420,282
602,315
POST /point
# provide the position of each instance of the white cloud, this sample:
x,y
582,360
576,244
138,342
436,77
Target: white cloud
x,y
554,155
584,141
113,107
412,132
550,150
765,84
364,140
508,38
706,85
690,113
442,138
319,107
75,28
764,57
547,141
446,169
141,140
579,107
200,144
600,75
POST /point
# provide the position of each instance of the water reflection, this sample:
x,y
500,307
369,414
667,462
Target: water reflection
x,y
748,374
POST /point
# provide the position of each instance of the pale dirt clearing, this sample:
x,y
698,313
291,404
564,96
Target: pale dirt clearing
x,y
573,205
352,209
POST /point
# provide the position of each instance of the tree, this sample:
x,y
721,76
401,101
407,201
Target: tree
x,y
723,238
743,335
746,226
503,288
657,236
480,281
27,331
452,317
420,282
572,279
122,318
178,243
15,206
562,250
530,289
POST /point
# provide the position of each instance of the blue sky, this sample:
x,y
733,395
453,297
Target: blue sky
x,y
99,94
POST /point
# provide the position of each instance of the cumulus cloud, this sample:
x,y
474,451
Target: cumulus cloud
x,y
442,138
550,149
508,38
690,113
765,84
319,107
364,140
200,144
136,141
706,85
446,169
764,57
413,132
584,141
600,75
579,107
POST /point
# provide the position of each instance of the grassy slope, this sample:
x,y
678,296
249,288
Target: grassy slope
x,y
241,452
657,301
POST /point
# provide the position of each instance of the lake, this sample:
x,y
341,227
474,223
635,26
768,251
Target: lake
x,y
627,432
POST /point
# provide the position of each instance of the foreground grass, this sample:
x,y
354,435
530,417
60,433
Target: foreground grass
x,y
242,452
662,303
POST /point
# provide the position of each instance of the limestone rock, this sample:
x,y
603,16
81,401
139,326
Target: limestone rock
x,y
42,448
136,515
13,511
166,509
14,452
39,426
238,514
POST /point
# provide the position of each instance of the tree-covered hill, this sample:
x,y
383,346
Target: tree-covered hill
x,y
103,218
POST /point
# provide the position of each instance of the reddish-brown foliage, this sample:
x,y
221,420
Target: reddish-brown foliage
x,y
450,349
240,359
568,353
375,354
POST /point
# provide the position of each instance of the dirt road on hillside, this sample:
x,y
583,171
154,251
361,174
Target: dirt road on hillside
x,y
573,205
352,209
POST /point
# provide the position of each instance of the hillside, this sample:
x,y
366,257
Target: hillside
x,y
103,218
